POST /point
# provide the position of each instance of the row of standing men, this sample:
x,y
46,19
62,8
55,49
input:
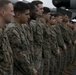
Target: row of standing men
x,y
35,42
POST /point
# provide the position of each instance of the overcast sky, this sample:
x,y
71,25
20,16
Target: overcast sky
x,y
47,3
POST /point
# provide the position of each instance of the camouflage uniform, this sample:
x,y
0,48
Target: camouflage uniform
x,y
29,33
74,41
23,63
62,46
67,35
46,49
70,68
38,38
6,56
54,53
72,45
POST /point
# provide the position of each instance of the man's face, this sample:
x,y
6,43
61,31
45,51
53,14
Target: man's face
x,y
53,20
24,17
65,18
47,16
8,14
59,19
39,9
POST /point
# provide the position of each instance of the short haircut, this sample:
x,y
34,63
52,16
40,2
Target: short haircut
x,y
20,7
37,2
58,14
32,7
46,10
32,11
3,3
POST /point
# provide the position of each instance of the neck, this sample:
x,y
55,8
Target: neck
x,y
17,21
2,23
43,20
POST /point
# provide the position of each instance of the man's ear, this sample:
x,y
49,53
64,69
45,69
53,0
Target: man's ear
x,y
17,14
2,12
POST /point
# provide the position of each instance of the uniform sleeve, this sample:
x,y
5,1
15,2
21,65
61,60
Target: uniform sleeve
x,y
6,59
20,53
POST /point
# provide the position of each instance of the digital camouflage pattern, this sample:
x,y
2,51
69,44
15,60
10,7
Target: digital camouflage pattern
x,y
46,49
57,56
74,42
67,35
6,55
18,36
53,51
62,46
37,44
